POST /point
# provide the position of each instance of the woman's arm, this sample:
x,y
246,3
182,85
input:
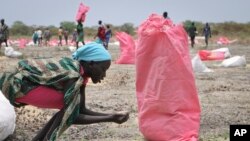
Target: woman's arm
x,y
83,109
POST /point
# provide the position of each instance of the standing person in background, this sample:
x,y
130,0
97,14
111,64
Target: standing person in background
x,y
60,34
80,33
192,33
66,35
165,15
35,37
4,33
74,36
101,34
47,36
108,35
40,37
207,33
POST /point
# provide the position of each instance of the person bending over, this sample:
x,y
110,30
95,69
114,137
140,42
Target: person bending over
x,y
60,85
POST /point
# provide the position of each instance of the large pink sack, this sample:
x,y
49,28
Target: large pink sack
x,y
81,13
168,103
206,55
127,48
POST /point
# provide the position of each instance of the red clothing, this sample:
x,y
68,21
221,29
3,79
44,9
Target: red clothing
x,y
46,97
101,33
43,97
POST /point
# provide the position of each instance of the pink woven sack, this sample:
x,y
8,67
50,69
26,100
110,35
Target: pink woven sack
x,y
168,103
223,40
81,13
206,55
127,48
22,43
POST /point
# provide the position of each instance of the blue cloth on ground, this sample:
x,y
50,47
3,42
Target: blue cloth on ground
x,y
91,52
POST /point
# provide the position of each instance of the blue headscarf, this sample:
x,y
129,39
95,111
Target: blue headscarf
x,y
91,52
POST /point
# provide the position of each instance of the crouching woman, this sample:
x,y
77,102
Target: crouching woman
x,y
47,83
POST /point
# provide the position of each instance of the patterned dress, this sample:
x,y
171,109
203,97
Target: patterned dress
x,y
50,73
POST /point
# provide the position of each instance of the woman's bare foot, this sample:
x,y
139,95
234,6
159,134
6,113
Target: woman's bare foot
x,y
121,117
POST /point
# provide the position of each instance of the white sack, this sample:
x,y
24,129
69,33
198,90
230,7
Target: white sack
x,y
10,52
236,61
7,117
226,50
199,66
72,48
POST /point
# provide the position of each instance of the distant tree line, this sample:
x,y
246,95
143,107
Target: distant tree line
x,y
226,28
232,29
19,29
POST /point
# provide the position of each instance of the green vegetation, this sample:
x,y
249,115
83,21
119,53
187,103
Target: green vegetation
x,y
233,30
19,29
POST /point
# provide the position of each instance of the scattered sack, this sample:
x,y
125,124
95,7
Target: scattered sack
x,y
116,43
7,117
236,61
22,43
207,55
223,41
10,52
72,48
227,54
199,66
127,48
31,43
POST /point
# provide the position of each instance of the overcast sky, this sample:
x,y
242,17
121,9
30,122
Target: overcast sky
x,y
118,12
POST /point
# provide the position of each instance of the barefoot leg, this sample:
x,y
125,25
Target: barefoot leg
x,y
44,130
54,124
90,119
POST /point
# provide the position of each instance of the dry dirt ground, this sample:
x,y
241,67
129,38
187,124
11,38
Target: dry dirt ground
x,y
224,97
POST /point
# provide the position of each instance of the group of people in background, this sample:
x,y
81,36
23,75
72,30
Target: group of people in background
x,y
38,36
192,32
103,35
63,33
